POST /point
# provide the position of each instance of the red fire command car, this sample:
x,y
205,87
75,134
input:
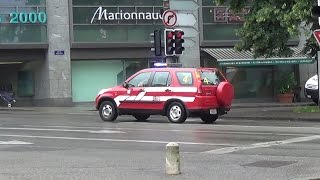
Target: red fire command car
x,y
177,93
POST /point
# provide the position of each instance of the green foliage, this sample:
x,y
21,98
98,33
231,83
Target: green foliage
x,y
285,83
307,109
270,24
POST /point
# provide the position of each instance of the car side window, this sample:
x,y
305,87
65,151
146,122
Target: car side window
x,y
185,78
161,79
141,80
210,77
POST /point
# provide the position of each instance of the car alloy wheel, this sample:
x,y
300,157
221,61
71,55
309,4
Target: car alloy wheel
x,y
176,113
107,111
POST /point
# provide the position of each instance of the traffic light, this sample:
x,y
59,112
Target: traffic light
x,y
315,12
173,42
179,41
169,42
156,35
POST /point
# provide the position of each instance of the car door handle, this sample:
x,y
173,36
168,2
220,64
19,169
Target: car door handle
x,y
141,90
168,90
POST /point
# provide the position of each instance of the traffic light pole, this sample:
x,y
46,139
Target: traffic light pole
x,y
318,72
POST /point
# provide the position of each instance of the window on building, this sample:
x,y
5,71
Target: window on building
x,y
23,21
220,23
118,2
251,82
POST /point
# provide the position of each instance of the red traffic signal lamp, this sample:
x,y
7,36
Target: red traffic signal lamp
x,y
169,42
179,41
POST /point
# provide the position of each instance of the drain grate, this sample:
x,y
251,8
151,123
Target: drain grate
x,y
270,164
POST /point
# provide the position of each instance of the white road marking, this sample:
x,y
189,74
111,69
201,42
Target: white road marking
x,y
110,140
64,130
262,145
213,130
105,132
14,143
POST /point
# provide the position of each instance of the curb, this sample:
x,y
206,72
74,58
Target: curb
x,y
272,118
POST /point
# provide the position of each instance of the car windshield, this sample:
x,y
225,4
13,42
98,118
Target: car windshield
x,y
211,77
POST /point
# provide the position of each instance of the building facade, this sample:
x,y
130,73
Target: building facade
x,y
61,52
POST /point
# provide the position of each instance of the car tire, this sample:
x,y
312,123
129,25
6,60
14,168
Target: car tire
x,y
141,117
209,119
315,101
176,113
108,111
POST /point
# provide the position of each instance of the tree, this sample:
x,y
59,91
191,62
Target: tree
x,y
270,24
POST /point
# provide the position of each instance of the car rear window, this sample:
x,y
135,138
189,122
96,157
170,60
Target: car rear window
x,y
185,78
211,77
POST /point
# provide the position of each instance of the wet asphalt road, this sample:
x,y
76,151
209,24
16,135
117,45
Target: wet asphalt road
x,y
80,146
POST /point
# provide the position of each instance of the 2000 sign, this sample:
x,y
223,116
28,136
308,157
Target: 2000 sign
x,y
32,17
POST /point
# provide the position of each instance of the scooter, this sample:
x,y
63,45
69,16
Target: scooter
x,y
7,95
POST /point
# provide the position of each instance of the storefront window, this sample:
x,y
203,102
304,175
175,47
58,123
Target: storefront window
x,y
23,21
251,82
90,76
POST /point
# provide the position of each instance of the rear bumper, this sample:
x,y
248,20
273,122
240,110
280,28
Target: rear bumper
x,y
205,103
199,112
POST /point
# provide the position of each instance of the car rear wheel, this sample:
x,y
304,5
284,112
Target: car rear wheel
x,y
141,117
176,113
107,111
209,119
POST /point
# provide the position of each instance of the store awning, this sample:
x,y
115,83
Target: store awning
x,y
231,57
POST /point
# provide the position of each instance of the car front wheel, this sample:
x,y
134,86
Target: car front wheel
x,y
176,113
208,119
107,111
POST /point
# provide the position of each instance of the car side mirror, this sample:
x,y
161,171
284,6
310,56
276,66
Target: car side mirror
x,y
125,85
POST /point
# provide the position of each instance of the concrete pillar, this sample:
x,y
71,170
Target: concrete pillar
x,y
190,25
172,159
55,80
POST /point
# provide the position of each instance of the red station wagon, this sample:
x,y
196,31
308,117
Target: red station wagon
x,y
177,93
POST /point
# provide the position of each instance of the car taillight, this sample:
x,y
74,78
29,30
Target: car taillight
x,y
199,84
199,87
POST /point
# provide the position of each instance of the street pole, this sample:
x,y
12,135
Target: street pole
x,y
318,65
318,73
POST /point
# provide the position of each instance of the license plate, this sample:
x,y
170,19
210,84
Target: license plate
x,y
308,96
213,111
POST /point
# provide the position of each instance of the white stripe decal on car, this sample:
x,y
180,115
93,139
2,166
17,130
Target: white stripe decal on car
x,y
140,96
173,89
165,98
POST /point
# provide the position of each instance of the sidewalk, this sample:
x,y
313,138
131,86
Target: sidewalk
x,y
267,111
271,111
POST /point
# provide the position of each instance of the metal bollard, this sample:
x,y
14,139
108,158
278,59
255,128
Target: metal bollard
x,y
172,159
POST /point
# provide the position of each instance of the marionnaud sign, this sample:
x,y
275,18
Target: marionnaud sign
x,y
102,14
